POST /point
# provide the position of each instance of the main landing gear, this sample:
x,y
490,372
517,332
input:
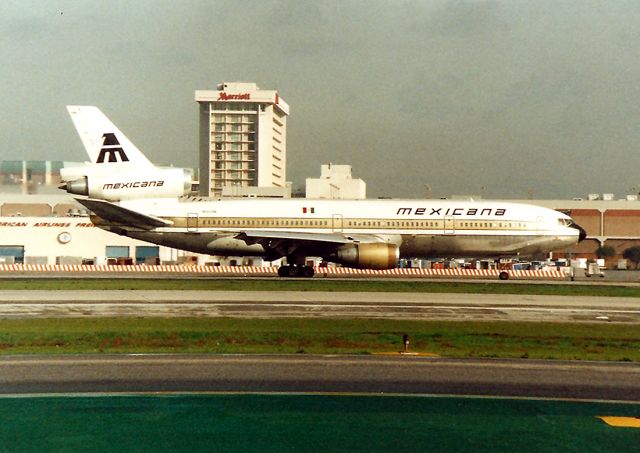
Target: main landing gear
x,y
296,271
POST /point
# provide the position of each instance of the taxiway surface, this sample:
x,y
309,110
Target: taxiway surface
x,y
318,374
266,304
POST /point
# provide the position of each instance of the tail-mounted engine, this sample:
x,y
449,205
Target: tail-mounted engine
x,y
157,183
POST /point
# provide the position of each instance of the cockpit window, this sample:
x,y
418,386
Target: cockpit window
x,y
565,222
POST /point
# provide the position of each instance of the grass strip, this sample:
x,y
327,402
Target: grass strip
x,y
318,285
320,336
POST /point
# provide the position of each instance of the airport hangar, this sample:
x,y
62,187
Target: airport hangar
x,y
54,229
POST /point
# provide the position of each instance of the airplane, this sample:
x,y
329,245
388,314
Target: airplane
x,y
369,234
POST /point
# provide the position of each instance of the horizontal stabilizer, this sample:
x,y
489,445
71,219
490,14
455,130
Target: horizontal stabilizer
x,y
117,215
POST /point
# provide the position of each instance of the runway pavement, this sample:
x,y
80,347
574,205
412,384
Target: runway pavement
x,y
319,374
438,306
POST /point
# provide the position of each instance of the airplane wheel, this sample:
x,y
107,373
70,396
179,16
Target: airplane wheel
x,y
283,271
308,271
293,271
503,275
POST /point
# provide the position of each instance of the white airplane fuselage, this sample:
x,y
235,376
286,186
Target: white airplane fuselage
x,y
413,228
122,185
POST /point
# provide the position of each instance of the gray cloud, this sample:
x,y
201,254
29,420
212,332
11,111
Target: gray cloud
x,y
509,96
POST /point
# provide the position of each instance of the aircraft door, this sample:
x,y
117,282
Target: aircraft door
x,y
336,223
192,222
449,227
540,225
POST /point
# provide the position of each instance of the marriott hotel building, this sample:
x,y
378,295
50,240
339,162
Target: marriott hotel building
x,y
243,138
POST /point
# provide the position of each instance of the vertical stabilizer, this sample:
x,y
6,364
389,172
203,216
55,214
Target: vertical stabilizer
x,y
104,142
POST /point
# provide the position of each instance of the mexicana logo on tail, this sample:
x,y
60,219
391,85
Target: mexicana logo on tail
x,y
111,147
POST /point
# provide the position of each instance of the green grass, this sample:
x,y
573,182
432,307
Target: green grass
x,y
358,336
330,285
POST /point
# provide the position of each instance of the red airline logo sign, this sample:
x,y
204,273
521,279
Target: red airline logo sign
x,y
234,97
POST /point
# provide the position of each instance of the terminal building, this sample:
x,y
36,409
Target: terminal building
x,y
53,229
607,221
28,176
243,139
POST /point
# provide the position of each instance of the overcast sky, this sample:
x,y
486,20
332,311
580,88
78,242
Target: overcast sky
x,y
500,98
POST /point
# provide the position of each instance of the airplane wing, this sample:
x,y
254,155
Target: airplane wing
x,y
122,216
283,243
333,238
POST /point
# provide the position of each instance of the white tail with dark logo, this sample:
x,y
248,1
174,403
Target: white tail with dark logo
x,y
104,142
118,170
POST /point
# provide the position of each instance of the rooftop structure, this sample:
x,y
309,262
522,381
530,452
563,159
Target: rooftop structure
x,y
335,182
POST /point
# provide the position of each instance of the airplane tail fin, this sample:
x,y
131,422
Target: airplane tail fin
x,y
103,141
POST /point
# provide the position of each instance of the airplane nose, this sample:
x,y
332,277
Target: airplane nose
x,y
582,235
